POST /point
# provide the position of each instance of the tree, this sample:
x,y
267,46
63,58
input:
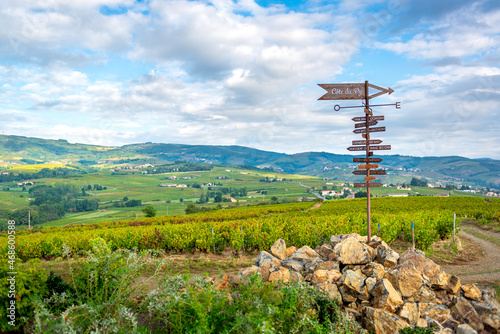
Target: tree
x,y
274,199
218,197
149,211
418,182
125,198
361,194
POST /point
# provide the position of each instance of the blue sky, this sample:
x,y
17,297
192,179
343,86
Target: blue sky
x,y
114,72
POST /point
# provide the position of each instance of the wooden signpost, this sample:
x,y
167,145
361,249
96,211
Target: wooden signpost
x,y
360,91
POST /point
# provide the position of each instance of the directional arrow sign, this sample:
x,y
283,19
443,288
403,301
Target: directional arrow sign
x,y
366,160
372,166
372,148
348,91
363,125
380,147
382,91
372,118
363,142
367,185
370,178
379,129
372,172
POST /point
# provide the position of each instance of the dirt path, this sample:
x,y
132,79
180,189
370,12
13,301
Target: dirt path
x,y
485,269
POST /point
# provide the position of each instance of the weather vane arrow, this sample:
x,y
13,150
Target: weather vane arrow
x,y
382,91
351,91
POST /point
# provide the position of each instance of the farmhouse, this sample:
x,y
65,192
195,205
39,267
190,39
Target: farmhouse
x,y
168,185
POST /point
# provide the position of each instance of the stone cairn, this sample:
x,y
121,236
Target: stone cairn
x,y
382,290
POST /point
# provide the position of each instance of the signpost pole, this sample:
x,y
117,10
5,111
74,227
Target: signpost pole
x,y
367,119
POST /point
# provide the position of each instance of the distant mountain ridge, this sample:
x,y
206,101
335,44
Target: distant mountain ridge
x,y
484,171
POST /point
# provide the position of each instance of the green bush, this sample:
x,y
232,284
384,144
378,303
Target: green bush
x,y
29,283
183,304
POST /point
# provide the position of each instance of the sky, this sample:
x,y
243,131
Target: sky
x,y
245,72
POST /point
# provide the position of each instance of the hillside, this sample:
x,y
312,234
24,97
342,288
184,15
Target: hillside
x,y
483,172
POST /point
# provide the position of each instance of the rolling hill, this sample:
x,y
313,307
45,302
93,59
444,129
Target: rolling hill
x,y
25,150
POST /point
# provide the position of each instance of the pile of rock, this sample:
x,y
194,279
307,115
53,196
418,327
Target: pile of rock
x,y
381,289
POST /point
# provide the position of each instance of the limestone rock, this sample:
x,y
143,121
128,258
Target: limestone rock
x,y
443,297
304,254
489,296
386,297
421,323
437,312
450,323
296,277
441,281
279,249
370,284
409,313
313,265
290,250
352,251
472,292
354,280
426,295
279,274
264,258
465,329
325,250
382,322
463,311
408,281
453,286
348,296
331,289
294,265
321,276
489,315
386,256
373,269
417,260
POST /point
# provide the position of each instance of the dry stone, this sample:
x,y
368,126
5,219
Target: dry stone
x,y
379,287
463,311
348,296
386,297
437,312
382,322
373,269
264,258
294,265
279,274
352,251
472,292
331,289
354,280
489,316
489,296
279,249
296,277
304,254
465,329
370,284
453,286
417,260
408,281
409,313
386,256
325,250
290,250
426,295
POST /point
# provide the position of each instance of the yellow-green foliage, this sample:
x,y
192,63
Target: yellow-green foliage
x,y
259,227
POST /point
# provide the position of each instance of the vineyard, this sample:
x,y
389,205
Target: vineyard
x,y
256,228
